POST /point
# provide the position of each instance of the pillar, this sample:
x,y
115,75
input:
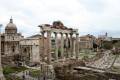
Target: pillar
x,y
31,56
77,45
56,46
62,46
71,44
67,47
42,53
49,47
74,47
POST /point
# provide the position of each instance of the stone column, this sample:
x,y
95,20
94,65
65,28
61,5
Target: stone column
x,y
56,46
74,47
31,57
77,45
49,47
42,50
71,44
62,46
67,47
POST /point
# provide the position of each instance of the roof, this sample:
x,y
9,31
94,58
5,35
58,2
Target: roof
x,y
11,25
35,36
88,35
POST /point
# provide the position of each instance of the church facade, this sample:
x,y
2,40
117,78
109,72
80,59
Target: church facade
x,y
10,40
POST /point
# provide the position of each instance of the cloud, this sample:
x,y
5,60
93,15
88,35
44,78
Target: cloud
x,y
93,5
89,16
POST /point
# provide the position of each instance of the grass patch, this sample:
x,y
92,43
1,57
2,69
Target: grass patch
x,y
8,70
35,73
9,77
89,55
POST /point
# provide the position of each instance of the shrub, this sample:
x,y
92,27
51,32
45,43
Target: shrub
x,y
107,45
9,69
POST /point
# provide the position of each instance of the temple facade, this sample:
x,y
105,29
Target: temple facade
x,y
69,48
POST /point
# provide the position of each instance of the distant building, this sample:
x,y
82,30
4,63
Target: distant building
x,y
115,39
105,37
30,49
87,41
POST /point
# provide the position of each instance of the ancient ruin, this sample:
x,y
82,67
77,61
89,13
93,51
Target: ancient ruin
x,y
58,28
57,53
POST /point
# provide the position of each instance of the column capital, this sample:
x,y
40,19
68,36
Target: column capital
x,y
66,34
71,34
77,34
61,34
55,33
42,31
48,31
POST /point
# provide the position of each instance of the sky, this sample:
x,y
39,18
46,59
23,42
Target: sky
x,y
94,17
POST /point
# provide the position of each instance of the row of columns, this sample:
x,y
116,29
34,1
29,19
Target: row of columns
x,y
70,52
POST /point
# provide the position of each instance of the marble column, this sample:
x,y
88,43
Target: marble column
x,y
71,44
77,45
49,47
67,47
56,46
62,46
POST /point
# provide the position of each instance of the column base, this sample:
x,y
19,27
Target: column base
x,y
2,76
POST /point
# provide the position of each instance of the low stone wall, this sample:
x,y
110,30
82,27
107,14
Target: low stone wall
x,y
7,61
64,70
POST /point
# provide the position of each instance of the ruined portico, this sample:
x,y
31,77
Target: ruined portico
x,y
65,34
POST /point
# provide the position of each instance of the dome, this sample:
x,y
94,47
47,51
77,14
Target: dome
x,y
11,27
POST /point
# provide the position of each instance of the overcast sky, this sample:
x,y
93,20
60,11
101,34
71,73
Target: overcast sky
x,y
89,16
